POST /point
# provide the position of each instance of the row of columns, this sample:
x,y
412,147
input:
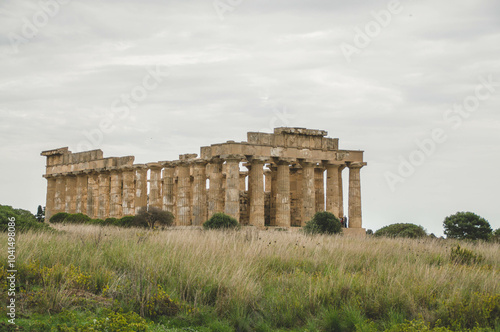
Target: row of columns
x,y
180,187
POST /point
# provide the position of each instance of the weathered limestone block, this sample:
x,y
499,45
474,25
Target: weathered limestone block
x,y
104,194
141,187
355,220
183,194
232,202
116,191
81,193
128,194
199,211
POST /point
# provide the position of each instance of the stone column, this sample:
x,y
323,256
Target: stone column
x,y
199,210
81,193
128,194
215,191
354,220
341,191
70,206
50,198
104,194
141,187
60,194
320,188
183,194
243,176
295,195
92,195
155,198
332,189
274,186
116,199
308,191
232,203
256,190
267,175
168,191
283,194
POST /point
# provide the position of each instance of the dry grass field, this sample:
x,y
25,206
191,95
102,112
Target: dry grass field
x,y
91,278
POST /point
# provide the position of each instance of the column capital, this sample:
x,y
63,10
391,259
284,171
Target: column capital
x,y
257,159
167,164
200,162
140,166
356,164
216,160
283,160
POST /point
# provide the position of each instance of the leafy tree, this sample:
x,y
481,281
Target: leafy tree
x,y
496,235
40,214
402,230
467,225
152,216
323,223
24,220
221,221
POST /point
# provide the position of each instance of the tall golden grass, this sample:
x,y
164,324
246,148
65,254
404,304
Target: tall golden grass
x,y
281,277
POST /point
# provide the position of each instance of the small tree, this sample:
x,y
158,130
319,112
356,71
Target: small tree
x,y
152,216
221,221
402,230
323,223
40,214
466,225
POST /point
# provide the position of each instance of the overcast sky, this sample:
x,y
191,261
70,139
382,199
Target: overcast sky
x,y
156,79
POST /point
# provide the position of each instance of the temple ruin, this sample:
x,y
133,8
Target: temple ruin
x,y
283,185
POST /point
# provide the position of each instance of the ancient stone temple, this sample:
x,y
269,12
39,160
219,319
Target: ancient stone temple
x,y
280,179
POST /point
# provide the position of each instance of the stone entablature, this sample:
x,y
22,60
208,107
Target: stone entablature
x,y
284,184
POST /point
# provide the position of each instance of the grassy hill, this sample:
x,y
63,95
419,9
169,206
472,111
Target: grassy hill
x,y
91,278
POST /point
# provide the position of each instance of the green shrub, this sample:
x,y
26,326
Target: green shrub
x,y
221,221
127,221
77,218
112,221
152,217
465,256
323,223
24,220
402,230
59,217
